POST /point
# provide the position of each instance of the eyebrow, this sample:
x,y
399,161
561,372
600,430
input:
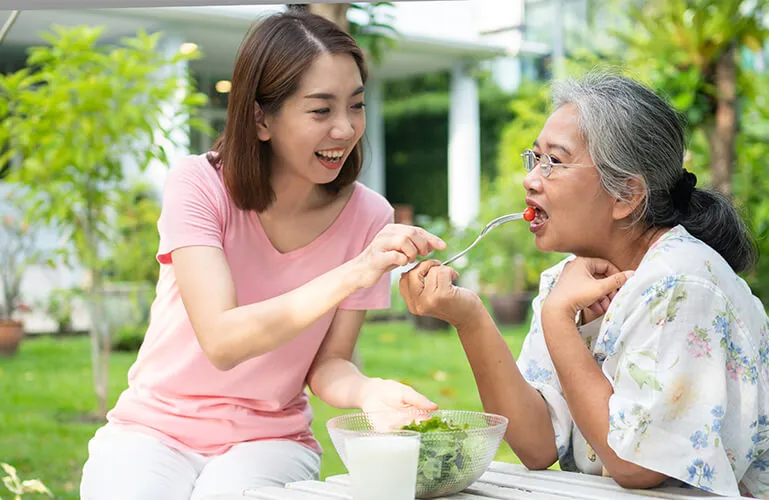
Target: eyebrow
x,y
554,146
331,97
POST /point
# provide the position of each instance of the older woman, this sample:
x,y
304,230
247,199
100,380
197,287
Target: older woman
x,y
647,355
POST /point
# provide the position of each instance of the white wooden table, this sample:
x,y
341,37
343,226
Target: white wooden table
x,y
501,481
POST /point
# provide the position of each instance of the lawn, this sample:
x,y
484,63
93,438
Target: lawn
x,y
46,389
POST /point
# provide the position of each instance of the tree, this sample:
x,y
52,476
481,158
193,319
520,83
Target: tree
x,y
371,26
72,119
336,12
690,48
134,236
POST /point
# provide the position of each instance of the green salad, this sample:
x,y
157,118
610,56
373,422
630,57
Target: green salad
x,y
446,454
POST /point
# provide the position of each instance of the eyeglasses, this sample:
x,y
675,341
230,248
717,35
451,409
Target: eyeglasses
x,y
544,162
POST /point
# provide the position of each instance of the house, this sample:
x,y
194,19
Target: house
x,y
435,36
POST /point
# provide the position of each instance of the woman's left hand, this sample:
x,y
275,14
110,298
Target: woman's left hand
x,y
584,283
389,395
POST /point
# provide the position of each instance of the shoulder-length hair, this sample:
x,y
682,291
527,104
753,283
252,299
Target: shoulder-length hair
x,y
272,59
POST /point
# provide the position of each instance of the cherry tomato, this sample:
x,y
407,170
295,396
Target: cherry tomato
x,y
528,214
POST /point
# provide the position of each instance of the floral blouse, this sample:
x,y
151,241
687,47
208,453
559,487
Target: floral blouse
x,y
685,345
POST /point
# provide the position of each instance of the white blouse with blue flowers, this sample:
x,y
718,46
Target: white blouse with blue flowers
x,y
685,345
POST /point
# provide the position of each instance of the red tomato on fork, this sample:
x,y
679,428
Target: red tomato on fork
x,y
529,214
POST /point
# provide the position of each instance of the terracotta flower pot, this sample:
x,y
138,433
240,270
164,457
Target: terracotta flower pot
x,y
11,333
430,324
511,309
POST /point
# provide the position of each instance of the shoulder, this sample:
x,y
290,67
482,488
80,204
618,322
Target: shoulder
x,y
193,168
680,259
194,174
682,280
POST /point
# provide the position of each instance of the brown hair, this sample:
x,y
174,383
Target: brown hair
x,y
274,55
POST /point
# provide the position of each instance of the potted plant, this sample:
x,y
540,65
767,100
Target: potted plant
x,y
16,255
60,307
510,305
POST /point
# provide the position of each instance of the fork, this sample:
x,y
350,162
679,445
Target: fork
x,y
491,225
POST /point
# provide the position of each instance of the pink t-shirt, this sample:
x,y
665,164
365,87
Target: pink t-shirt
x,y
174,393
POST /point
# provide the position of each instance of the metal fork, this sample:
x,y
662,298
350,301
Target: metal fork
x,y
491,225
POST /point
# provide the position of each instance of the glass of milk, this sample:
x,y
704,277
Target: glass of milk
x,y
383,466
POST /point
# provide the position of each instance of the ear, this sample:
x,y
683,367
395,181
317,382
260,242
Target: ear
x,y
636,192
262,130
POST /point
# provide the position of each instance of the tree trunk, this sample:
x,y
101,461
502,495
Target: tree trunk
x,y
722,135
336,12
100,330
100,341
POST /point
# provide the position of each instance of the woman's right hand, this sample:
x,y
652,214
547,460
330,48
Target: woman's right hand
x,y
394,246
429,290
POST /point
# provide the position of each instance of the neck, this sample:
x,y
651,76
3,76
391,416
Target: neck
x,y
294,195
629,246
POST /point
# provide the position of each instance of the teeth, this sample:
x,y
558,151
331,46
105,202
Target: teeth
x,y
331,155
539,216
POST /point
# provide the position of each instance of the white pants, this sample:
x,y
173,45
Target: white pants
x,y
129,465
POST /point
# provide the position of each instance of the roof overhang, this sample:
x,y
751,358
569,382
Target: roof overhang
x,y
219,30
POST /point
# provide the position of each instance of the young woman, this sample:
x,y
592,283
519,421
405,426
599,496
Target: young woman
x,y
270,254
647,355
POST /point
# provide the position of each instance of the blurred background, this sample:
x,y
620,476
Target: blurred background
x,y
95,104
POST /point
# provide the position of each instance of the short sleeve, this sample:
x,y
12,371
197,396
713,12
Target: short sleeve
x,y
670,378
377,296
537,369
192,209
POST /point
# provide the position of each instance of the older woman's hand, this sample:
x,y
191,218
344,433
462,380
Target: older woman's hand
x,y
428,290
585,284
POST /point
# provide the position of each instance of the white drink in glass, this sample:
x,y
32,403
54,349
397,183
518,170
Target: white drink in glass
x,y
383,466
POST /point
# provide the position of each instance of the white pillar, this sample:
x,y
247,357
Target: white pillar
x,y
373,174
464,148
178,144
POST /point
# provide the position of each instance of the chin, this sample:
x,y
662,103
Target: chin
x,y
543,244
326,176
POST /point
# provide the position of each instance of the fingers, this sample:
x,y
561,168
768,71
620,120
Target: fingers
x,y
423,287
398,236
413,398
421,270
613,282
445,277
396,259
434,242
410,249
597,308
601,267
431,280
412,284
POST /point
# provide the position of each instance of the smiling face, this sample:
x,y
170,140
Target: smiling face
x,y
574,213
317,127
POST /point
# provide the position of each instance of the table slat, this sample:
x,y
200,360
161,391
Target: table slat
x,y
484,492
278,493
330,490
488,490
567,480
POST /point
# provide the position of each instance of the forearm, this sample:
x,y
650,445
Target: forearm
x,y
587,392
338,382
504,391
251,330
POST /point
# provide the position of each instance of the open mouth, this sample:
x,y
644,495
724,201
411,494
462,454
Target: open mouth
x,y
331,158
540,217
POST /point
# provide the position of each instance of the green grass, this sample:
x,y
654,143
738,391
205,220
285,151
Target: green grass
x,y
46,389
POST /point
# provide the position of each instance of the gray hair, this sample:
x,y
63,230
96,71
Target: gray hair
x,y
633,134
